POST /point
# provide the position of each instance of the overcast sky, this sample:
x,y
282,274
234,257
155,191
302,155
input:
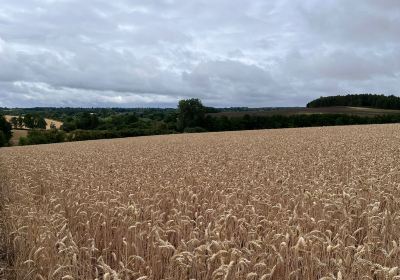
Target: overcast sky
x,y
152,53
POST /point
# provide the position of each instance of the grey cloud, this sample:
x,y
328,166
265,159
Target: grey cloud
x,y
364,24
344,65
41,94
228,53
230,71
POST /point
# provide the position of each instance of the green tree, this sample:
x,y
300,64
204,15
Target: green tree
x,y
29,121
40,122
5,129
87,121
14,122
191,113
20,121
363,100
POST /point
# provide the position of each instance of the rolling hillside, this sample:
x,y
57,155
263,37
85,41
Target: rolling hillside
x,y
304,203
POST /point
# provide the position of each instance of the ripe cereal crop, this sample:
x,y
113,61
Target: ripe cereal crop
x,y
310,203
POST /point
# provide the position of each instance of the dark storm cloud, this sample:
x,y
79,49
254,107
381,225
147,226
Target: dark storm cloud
x,y
228,53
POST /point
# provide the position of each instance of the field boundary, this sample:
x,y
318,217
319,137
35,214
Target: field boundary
x,y
5,249
341,110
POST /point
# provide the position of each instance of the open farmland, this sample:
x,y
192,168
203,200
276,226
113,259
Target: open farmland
x,y
273,204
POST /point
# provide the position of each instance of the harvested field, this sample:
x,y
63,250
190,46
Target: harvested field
x,y
309,203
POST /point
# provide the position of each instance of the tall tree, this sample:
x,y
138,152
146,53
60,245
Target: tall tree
x,y
29,121
191,113
20,121
5,131
40,122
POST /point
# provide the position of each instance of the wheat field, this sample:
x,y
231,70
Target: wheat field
x,y
310,203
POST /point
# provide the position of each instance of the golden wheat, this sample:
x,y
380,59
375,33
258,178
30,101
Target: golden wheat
x,y
313,203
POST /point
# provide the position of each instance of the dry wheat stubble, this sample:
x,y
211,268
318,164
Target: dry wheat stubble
x,y
314,203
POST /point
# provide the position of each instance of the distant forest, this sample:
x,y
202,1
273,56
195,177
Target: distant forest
x,y
358,100
189,116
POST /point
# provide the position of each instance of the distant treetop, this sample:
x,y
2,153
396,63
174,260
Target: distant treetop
x,y
358,100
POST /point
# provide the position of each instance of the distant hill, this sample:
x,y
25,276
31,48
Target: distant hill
x,y
358,100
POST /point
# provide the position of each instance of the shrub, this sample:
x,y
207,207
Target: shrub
x,y
3,139
43,137
195,129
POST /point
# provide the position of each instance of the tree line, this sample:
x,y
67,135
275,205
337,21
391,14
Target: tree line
x,y
358,100
189,116
31,121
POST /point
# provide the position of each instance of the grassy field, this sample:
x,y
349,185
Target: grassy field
x,y
359,111
308,203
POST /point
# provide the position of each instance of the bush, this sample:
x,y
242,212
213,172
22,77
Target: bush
x,y
195,129
23,141
3,140
81,135
42,137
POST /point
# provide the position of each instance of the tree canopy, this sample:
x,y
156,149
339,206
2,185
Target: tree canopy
x,y
191,114
357,100
34,121
5,131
